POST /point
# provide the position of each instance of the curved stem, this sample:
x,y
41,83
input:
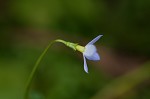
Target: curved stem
x,y
36,66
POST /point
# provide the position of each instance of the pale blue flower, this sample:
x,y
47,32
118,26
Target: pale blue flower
x,y
90,52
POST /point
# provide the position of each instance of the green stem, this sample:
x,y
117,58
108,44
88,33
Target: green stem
x,y
36,66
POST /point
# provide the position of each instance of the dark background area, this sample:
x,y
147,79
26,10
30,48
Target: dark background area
x,y
27,26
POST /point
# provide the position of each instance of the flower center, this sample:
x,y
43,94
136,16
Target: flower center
x,y
89,50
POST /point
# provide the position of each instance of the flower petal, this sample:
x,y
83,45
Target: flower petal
x,y
85,65
95,57
89,50
95,39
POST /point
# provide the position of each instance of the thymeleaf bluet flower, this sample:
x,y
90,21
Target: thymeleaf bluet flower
x,y
89,51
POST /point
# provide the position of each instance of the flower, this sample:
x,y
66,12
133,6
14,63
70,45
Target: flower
x,y
89,52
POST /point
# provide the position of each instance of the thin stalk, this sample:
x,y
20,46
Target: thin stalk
x,y
36,66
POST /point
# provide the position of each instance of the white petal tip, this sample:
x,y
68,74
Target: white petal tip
x,y
85,65
100,35
95,39
86,71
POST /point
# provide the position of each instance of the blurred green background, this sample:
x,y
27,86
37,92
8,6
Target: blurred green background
x,y
27,26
